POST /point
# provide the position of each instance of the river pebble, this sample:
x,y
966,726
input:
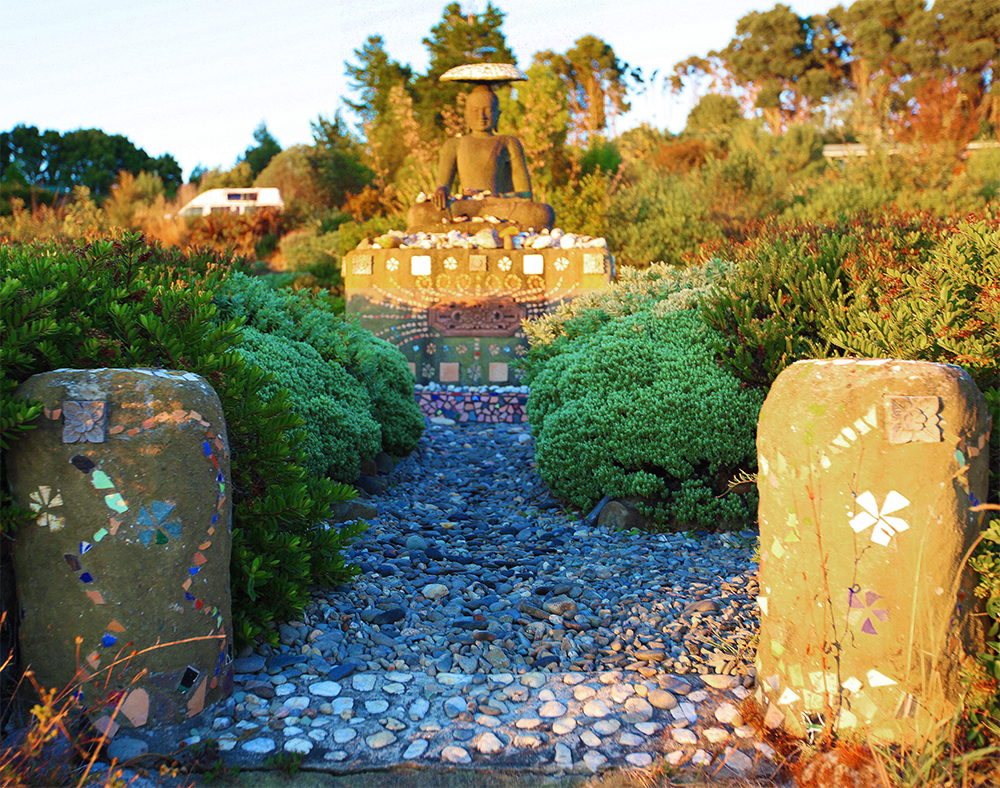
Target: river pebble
x,y
491,624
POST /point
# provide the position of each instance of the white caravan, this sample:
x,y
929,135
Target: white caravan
x,y
241,201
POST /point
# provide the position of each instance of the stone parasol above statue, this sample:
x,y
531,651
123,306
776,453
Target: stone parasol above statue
x,y
490,167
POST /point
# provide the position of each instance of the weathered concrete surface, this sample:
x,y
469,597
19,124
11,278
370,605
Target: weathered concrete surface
x,y
127,480
868,470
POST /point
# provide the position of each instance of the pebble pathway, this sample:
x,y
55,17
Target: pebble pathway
x,y
490,627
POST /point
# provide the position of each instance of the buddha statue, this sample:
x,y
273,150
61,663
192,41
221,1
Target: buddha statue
x,y
492,173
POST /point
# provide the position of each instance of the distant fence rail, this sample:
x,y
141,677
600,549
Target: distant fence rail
x,y
843,150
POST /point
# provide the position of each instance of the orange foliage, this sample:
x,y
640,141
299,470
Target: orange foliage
x,y
942,114
228,231
681,157
365,205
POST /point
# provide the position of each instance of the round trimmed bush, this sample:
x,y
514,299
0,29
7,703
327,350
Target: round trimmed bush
x,y
640,408
340,432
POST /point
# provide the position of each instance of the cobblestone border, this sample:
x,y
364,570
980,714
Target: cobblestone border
x,y
489,407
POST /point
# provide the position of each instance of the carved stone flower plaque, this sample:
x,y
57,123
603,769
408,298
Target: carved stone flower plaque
x,y
84,422
913,419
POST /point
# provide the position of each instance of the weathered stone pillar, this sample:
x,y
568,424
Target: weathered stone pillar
x,y
867,472
127,479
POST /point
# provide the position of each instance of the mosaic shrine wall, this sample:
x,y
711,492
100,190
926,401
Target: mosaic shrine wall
x,y
464,407
456,313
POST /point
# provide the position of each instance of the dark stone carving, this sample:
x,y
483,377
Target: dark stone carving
x,y
484,317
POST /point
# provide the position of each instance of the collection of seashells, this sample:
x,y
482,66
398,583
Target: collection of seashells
x,y
485,238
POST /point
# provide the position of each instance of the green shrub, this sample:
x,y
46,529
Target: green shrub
x,y
838,197
661,288
304,250
639,407
792,278
353,232
340,432
373,362
659,218
769,312
946,310
581,206
124,304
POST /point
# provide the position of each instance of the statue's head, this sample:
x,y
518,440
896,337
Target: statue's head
x,y
482,109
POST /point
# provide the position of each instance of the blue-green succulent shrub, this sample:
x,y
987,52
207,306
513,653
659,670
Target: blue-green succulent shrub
x,y
340,432
374,363
638,406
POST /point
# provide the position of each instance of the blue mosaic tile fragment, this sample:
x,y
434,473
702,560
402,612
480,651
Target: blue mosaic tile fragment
x,y
215,518
146,537
144,518
174,529
108,640
207,447
85,547
162,510
86,577
193,570
189,597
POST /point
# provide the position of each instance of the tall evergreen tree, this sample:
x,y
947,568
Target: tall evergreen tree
x,y
259,156
336,160
373,78
457,39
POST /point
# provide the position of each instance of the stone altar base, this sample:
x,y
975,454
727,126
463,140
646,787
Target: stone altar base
x,y
456,313
127,480
867,473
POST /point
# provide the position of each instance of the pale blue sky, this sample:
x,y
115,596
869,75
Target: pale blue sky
x,y
194,78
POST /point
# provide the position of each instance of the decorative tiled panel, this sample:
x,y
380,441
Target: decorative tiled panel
x,y
420,299
490,316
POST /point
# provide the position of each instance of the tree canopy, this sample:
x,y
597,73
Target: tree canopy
x,y
259,156
879,54
85,157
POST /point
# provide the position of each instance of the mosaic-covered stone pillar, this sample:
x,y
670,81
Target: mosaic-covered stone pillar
x,y
868,470
127,479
